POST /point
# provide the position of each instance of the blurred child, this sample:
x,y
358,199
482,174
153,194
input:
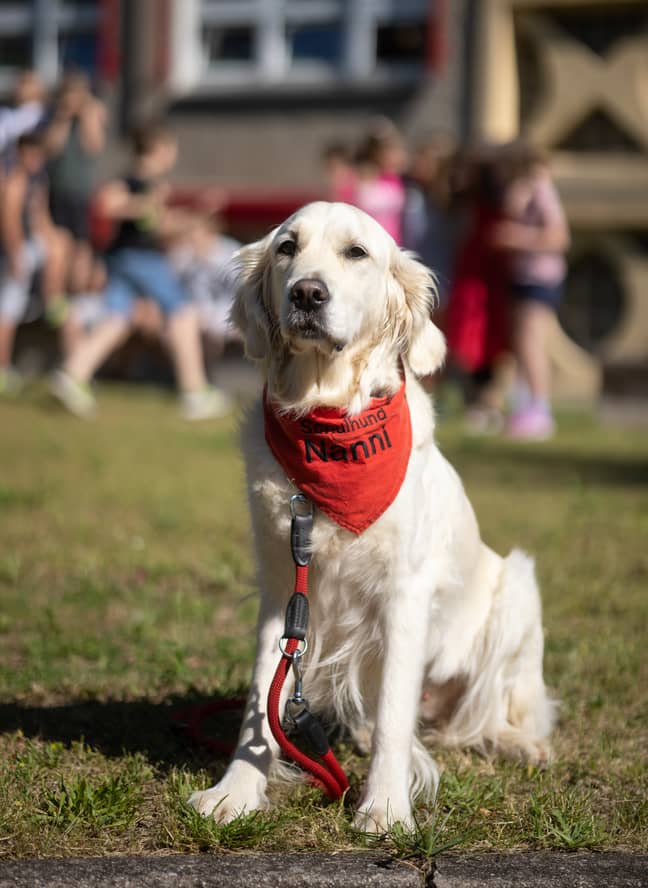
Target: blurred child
x,y
29,242
25,115
205,264
340,172
138,268
85,310
75,138
380,191
477,322
535,236
430,223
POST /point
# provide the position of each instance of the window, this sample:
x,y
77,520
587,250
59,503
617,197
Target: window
x,y
15,50
234,44
594,302
15,41
305,42
400,44
315,43
47,36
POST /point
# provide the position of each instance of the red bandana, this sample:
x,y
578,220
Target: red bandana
x,y
351,467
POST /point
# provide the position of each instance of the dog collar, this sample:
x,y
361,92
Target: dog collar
x,y
351,467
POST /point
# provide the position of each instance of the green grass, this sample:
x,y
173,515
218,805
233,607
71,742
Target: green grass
x,y
127,592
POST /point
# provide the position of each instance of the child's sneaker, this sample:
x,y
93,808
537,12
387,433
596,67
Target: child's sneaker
x,y
483,421
11,381
532,424
209,403
75,396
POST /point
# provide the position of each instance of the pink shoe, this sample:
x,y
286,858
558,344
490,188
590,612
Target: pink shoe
x,y
532,424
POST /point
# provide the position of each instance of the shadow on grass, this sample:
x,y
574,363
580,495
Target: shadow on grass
x,y
156,730
551,466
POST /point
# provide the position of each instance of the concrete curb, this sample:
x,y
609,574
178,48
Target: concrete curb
x,y
343,870
547,869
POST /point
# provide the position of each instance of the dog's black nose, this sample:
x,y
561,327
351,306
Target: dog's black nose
x,y
309,294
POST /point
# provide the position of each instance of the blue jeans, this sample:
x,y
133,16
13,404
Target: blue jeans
x,y
138,274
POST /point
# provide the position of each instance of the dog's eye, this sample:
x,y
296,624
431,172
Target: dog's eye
x,y
287,248
355,252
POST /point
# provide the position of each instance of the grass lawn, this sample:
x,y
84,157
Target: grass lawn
x,y
126,591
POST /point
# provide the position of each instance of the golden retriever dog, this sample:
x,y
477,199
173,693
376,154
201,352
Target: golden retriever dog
x,y
419,632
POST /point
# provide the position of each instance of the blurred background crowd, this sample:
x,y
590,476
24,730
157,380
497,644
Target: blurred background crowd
x,y
506,143
98,261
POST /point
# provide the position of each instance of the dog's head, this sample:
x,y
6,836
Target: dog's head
x,y
330,279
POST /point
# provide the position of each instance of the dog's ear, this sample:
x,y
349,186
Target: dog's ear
x,y
250,309
423,344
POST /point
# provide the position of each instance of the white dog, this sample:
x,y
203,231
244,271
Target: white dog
x,y
413,620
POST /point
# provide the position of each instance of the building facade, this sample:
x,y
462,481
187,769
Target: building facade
x,y
572,76
255,88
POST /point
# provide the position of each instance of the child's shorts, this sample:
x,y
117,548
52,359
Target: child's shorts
x,y
547,294
138,274
14,293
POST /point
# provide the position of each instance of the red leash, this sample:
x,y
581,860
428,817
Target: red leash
x,y
328,774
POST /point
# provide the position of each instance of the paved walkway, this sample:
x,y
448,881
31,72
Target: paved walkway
x,y
344,870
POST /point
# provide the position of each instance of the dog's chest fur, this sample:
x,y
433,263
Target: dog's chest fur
x,y
351,578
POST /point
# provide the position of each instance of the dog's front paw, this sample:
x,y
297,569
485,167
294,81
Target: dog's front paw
x,y
377,816
225,803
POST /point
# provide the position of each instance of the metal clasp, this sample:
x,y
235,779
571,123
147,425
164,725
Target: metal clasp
x,y
298,653
298,696
297,703
298,499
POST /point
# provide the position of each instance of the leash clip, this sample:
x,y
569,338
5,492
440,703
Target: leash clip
x,y
297,704
301,527
299,713
298,696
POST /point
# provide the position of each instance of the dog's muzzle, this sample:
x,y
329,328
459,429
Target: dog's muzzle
x,y
308,298
309,295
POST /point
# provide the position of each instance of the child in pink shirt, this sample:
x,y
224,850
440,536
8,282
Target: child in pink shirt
x,y
340,172
379,190
535,235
